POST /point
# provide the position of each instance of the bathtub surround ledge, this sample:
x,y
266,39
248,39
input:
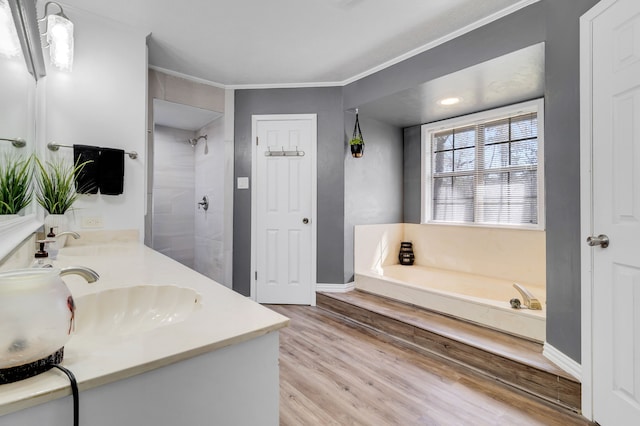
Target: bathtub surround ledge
x,y
499,316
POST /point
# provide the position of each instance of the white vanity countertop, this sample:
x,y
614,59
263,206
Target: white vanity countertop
x,y
225,318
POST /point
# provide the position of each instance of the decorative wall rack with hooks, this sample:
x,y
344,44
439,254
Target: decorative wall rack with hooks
x,y
283,153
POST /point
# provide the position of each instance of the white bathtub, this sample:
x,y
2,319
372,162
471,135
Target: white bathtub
x,y
475,298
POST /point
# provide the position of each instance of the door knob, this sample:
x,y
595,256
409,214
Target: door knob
x,y
601,240
204,203
305,220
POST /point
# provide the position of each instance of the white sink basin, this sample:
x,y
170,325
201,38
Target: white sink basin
x,y
131,310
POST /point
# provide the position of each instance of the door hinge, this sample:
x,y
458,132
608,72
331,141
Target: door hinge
x,y
256,275
256,141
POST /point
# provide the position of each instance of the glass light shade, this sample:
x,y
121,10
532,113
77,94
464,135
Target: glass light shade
x,y
9,43
60,39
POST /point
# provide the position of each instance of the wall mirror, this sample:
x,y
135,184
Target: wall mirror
x,y
20,69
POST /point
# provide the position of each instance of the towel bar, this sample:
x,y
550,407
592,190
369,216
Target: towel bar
x,y
17,142
54,146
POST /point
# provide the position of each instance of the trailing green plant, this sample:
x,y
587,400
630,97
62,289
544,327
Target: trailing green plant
x,y
356,141
15,183
55,184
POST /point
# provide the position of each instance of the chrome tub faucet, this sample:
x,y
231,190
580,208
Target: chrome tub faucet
x,y
528,299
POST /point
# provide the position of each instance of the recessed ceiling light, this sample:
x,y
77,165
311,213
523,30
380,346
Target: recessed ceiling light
x,y
449,101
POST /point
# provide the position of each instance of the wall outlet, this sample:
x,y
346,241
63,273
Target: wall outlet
x,y
92,222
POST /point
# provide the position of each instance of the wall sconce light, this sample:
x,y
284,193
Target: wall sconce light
x,y
9,43
59,37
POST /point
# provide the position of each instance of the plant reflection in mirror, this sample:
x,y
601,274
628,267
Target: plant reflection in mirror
x,y
15,183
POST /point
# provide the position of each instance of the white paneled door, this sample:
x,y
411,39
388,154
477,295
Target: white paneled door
x,y
615,213
283,241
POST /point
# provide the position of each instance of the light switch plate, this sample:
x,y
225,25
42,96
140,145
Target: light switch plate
x,y
92,222
243,183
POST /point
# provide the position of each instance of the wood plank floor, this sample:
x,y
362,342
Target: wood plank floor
x,y
333,372
513,360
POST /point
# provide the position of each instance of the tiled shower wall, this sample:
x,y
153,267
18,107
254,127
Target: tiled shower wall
x,y
209,180
182,176
174,202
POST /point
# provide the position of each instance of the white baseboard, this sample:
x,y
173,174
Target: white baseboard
x,y
335,288
561,360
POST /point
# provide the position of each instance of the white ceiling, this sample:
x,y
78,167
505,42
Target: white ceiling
x,y
291,42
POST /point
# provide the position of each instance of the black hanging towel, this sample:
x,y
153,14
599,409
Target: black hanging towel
x,y
111,171
87,178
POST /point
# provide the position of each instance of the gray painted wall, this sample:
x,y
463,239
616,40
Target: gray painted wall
x,y
562,173
412,174
373,183
327,104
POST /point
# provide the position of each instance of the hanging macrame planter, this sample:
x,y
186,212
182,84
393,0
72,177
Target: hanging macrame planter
x,y
357,142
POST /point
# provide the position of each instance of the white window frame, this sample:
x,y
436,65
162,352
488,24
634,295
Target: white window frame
x,y
429,129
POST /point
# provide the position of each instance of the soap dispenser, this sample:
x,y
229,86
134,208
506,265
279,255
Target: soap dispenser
x,y
41,256
52,246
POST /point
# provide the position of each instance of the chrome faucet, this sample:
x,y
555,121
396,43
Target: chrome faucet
x,y
528,299
74,234
87,273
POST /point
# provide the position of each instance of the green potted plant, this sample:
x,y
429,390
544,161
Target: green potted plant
x,y
357,141
357,146
56,191
15,183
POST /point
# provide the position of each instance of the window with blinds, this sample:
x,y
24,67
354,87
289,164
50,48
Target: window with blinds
x,y
488,172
